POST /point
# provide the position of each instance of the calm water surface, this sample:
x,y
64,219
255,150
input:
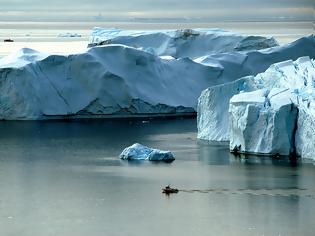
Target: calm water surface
x,y
65,178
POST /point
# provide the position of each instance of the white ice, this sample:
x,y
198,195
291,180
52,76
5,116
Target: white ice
x,y
271,113
140,152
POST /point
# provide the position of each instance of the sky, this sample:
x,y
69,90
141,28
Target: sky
x,y
189,10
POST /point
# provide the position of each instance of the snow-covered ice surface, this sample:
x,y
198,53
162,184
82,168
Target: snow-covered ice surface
x,y
272,113
143,153
121,81
305,135
190,43
21,58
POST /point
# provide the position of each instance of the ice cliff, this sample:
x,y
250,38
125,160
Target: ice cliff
x,y
271,113
213,104
121,81
190,43
263,121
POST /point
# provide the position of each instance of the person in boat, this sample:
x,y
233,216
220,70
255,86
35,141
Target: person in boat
x,y
169,190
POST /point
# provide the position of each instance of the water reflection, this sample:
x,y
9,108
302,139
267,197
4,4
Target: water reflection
x,y
217,153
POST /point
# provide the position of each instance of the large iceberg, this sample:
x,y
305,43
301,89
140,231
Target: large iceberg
x,y
140,152
121,81
272,113
114,80
212,115
190,43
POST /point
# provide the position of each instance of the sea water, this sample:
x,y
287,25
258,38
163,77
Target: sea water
x,y
65,178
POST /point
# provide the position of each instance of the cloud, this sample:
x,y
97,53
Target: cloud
x,y
155,8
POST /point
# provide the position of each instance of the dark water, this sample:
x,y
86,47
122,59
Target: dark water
x,y
64,178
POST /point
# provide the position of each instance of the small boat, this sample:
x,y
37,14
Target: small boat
x,y
168,190
8,40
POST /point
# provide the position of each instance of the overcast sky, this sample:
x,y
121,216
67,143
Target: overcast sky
x,y
124,9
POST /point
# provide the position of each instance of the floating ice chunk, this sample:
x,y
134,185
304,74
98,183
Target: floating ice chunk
x,y
140,152
69,35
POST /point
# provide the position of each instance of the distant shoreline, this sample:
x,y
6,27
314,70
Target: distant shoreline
x,y
43,36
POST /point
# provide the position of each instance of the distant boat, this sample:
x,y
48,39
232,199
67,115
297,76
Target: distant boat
x,y
8,40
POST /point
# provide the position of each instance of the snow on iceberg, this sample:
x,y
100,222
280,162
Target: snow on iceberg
x,y
240,64
21,58
190,43
140,152
272,113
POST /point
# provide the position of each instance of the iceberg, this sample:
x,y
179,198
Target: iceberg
x,y
69,35
271,113
121,81
190,43
143,153
111,81
213,103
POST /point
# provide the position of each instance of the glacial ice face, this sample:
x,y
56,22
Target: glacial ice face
x,y
263,121
140,152
273,114
213,104
305,135
190,43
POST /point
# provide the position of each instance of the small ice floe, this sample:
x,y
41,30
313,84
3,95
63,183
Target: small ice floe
x,y
143,153
69,35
